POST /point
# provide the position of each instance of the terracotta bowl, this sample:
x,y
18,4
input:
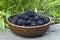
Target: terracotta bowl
x,y
26,31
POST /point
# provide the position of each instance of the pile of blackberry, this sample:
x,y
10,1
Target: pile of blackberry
x,y
29,18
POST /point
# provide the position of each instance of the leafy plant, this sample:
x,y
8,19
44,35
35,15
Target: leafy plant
x,y
2,14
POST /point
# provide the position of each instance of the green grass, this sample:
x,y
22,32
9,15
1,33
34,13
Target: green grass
x,y
9,7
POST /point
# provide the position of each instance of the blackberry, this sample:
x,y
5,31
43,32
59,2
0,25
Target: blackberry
x,y
21,15
12,20
33,23
39,22
26,17
28,22
46,20
31,18
15,17
36,18
21,22
34,15
41,17
18,15
30,13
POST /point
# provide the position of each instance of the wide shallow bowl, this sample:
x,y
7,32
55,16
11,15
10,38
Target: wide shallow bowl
x,y
29,31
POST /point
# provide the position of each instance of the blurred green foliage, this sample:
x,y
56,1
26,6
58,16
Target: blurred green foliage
x,y
9,7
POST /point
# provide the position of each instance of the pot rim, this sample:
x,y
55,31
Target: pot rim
x,y
50,21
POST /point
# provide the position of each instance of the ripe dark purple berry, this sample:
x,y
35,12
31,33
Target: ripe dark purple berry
x,y
36,18
30,13
46,20
15,17
28,22
41,17
12,20
18,15
40,22
21,22
21,15
31,18
33,23
26,17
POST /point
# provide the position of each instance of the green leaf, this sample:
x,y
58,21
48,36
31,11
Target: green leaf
x,y
8,13
2,25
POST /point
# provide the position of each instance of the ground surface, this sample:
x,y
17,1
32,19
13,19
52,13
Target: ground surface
x,y
52,34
